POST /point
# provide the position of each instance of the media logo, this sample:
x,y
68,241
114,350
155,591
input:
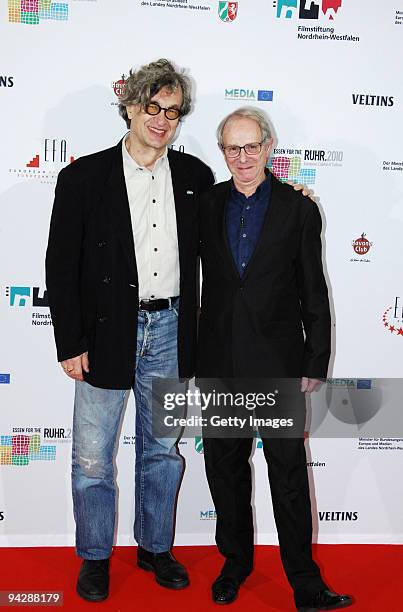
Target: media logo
x,y
45,165
4,379
340,382
250,95
372,100
351,383
21,448
392,318
364,383
32,12
264,95
208,515
227,11
307,9
6,81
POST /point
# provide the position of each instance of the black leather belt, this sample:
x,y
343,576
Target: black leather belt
x,y
153,305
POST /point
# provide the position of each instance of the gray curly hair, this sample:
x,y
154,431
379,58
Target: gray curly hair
x,y
148,80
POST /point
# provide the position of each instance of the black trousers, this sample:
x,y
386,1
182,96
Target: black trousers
x,y
229,477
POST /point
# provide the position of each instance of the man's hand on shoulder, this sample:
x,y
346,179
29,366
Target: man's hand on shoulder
x,y
309,384
305,190
74,367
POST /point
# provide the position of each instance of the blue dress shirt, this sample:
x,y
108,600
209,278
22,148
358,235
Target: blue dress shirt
x,y
244,221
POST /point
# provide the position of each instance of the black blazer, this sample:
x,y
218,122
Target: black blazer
x,y
275,321
91,272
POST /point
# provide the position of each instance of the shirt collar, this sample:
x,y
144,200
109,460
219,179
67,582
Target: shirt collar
x,y
132,168
261,192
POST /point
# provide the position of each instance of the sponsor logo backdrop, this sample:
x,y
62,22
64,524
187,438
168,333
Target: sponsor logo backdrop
x,y
319,69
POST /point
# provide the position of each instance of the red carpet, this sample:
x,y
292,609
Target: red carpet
x,y
372,574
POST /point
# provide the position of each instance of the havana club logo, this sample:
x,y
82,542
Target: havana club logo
x,y
393,318
361,245
227,11
118,86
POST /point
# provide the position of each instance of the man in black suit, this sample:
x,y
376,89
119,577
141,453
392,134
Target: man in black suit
x,y
121,280
265,314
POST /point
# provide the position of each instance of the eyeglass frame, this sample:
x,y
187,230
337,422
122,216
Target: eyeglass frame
x,y
261,143
161,108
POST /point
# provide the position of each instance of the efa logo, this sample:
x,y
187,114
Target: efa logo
x,y
20,296
392,318
307,9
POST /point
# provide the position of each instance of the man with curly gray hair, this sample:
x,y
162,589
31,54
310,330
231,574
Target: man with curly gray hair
x,y
121,280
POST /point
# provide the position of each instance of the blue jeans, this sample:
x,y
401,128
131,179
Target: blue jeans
x,y
158,467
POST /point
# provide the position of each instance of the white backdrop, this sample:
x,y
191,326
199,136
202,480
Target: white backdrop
x,y
334,92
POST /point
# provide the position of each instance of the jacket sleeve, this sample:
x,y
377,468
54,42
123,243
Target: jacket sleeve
x,y
313,297
63,265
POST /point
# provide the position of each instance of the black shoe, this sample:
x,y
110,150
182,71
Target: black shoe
x,y
325,600
168,571
93,580
225,589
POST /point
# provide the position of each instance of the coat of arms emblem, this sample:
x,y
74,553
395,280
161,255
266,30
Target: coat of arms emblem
x,y
227,11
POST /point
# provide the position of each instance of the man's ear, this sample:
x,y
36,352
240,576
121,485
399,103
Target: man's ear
x,y
269,146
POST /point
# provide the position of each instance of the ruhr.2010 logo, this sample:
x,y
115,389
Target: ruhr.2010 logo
x,y
33,12
307,9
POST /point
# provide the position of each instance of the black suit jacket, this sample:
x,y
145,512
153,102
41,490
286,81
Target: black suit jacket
x,y
275,321
91,272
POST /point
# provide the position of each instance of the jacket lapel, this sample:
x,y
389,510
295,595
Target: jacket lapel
x,y
221,226
269,230
116,200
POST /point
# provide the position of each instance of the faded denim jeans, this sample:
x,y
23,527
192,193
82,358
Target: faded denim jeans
x,y
158,466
